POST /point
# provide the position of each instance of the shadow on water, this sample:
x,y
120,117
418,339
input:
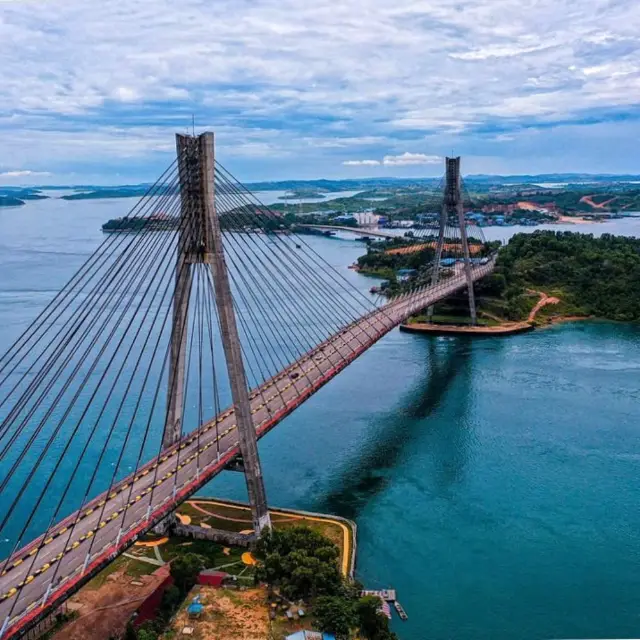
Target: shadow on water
x,y
369,472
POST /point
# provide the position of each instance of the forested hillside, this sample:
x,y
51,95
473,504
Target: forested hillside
x,y
592,276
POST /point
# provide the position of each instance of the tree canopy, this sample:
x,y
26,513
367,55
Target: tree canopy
x,y
594,276
302,562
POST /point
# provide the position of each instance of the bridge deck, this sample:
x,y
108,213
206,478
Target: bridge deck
x,y
80,545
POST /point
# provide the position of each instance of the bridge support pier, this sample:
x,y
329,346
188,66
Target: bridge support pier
x,y
200,242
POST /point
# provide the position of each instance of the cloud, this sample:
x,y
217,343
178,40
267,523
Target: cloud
x,y
23,173
404,160
361,163
305,84
407,159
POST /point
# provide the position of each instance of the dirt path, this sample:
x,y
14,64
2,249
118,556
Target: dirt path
x,y
544,301
602,205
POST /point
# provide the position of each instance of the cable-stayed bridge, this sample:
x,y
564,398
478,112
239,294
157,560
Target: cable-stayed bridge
x,y
112,403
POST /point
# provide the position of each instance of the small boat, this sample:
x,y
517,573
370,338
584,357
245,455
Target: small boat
x,y
400,609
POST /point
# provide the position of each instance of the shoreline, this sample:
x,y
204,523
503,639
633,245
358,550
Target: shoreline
x,y
507,329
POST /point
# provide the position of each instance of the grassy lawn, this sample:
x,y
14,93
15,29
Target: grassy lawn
x,y
236,518
212,552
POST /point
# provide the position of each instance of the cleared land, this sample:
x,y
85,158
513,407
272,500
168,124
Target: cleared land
x,y
414,248
227,615
105,605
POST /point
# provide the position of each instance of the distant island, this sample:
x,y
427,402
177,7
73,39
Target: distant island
x,y
136,191
415,203
17,196
10,201
132,224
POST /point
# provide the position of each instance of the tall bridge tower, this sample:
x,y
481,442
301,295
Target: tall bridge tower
x,y
200,242
452,213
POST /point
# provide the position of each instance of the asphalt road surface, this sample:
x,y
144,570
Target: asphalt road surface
x,y
43,571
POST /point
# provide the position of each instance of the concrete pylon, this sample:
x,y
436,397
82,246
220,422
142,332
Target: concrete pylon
x,y
453,206
202,243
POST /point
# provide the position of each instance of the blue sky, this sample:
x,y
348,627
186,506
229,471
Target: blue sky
x,y
94,91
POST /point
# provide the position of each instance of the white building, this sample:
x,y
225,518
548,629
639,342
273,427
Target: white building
x,y
366,219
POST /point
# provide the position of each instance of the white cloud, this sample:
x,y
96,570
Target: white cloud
x,y
407,159
126,94
23,173
79,79
361,163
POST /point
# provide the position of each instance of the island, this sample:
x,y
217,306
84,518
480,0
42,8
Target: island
x,y
17,196
133,191
11,201
540,278
133,224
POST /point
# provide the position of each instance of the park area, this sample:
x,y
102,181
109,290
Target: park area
x,y
240,610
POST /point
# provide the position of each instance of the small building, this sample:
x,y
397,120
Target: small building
x,y
344,218
212,578
366,219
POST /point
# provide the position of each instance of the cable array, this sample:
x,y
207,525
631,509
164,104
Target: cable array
x,y
84,390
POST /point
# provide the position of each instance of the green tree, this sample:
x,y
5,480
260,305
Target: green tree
x,y
335,615
185,570
373,624
147,631
302,562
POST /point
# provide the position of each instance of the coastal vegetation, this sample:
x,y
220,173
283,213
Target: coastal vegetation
x,y
597,277
590,276
302,565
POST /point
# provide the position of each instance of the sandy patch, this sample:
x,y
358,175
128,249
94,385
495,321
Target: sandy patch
x,y
228,615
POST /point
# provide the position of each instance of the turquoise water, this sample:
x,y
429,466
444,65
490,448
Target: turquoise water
x,y
494,482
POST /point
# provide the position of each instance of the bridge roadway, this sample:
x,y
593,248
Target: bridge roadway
x,y
43,574
359,231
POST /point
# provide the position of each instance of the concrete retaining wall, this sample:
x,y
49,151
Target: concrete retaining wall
x,y
214,535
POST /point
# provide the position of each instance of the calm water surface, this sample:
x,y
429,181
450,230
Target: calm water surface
x,y
494,482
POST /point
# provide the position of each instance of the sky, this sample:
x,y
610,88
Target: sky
x,y
93,91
